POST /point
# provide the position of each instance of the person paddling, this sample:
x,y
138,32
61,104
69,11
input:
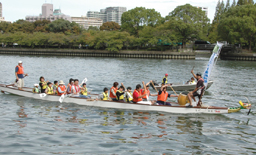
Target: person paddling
x,y
147,91
113,91
19,74
198,91
61,88
137,94
43,84
163,95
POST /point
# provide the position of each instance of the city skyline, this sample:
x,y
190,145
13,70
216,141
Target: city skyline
x,y
12,10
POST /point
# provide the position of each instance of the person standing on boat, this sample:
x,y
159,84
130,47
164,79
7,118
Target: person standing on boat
x,y
113,91
165,80
137,94
19,73
163,95
198,91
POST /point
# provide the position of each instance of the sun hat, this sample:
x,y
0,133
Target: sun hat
x,y
61,82
20,62
36,85
198,74
166,74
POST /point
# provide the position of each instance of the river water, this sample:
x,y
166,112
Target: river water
x,y
30,126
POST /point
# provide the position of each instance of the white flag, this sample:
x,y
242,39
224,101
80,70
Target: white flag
x,y
211,63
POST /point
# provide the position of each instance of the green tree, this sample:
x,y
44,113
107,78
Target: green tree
x,y
60,25
227,6
238,25
188,23
110,26
135,19
241,2
41,25
234,3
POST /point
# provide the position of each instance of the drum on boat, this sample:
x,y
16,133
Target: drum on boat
x,y
183,99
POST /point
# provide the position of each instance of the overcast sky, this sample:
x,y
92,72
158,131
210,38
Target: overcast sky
x,y
19,9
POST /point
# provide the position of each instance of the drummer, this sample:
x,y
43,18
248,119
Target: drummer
x,y
198,91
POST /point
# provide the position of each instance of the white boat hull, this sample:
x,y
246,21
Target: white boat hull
x,y
118,105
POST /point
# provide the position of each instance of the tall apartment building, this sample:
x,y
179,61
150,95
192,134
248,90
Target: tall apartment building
x,y
1,11
205,9
49,14
109,14
86,22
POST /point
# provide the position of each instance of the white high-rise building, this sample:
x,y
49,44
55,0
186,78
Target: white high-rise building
x,y
48,14
205,9
86,22
109,14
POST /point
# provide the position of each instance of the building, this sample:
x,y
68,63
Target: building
x,y
205,9
109,14
49,14
1,11
86,22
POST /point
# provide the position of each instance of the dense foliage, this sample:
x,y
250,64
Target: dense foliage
x,y
141,28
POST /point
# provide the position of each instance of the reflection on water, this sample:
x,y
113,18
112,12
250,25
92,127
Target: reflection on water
x,y
43,127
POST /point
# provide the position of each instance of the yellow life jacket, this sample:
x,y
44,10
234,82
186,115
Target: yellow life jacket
x,y
56,87
84,92
165,80
128,99
49,90
44,86
120,97
105,96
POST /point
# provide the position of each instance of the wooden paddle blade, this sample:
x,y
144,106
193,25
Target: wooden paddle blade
x,y
61,98
42,95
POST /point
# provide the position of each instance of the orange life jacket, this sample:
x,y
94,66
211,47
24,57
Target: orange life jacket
x,y
62,88
21,70
146,92
111,94
162,97
69,88
136,99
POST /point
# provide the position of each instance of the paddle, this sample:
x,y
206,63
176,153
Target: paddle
x,y
250,107
42,95
154,85
174,90
84,81
61,98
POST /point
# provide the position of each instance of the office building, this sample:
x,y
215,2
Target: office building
x,y
1,11
205,9
49,14
86,22
109,14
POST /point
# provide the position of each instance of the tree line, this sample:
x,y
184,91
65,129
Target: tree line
x,y
141,28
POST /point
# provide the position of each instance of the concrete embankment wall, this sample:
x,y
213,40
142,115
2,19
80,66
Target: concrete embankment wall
x,y
238,56
99,53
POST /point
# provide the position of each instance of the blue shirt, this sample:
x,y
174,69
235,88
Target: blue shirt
x,y
20,76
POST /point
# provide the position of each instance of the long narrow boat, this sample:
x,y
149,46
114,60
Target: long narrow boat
x,y
175,108
184,87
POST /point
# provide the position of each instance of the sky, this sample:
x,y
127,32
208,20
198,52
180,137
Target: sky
x,y
19,9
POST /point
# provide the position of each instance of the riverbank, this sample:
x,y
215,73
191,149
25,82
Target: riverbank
x,y
238,56
99,53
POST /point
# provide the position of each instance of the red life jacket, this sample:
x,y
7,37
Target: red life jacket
x,y
69,88
77,88
62,88
137,99
146,92
162,97
111,94
20,70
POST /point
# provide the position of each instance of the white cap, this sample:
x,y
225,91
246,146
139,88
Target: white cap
x,y
20,62
36,85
